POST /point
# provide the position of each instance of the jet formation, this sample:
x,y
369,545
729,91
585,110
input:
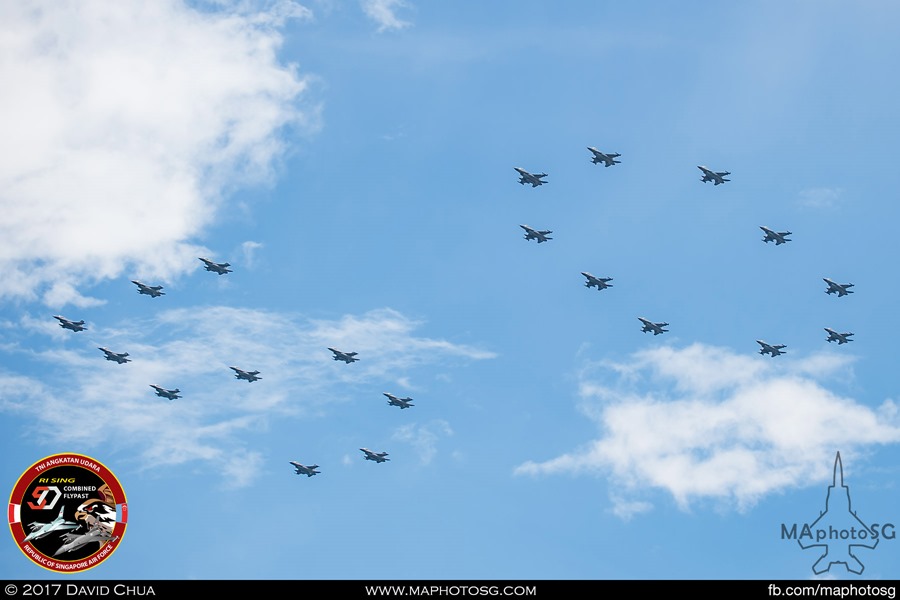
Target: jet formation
x,y
401,402
601,283
717,177
249,376
650,326
154,291
347,357
164,393
602,157
302,469
841,289
67,324
779,237
535,179
214,267
769,349
119,357
378,457
840,338
534,234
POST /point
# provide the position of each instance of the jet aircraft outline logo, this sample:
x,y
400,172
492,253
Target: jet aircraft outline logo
x,y
838,531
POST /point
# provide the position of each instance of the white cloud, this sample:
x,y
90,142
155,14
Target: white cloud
x,y
383,338
382,12
821,198
627,509
124,125
424,438
272,12
704,423
249,250
81,399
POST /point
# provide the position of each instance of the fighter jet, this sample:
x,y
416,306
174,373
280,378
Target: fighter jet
x,y
347,357
220,268
115,356
604,158
533,178
152,291
840,338
656,328
164,393
39,530
775,236
67,324
249,376
770,349
716,177
304,470
401,402
601,283
533,234
376,456
841,289
74,541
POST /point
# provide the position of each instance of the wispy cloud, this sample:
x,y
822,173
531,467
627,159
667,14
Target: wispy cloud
x,y
821,198
383,13
84,400
125,124
626,509
704,423
424,437
249,250
384,340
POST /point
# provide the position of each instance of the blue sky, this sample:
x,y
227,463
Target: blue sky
x,y
353,161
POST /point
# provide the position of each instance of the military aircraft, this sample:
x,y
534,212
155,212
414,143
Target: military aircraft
x,y
39,530
152,291
534,234
604,158
304,470
779,237
115,356
533,178
164,393
770,349
601,283
74,541
401,402
656,328
249,376
840,338
347,357
841,289
220,268
716,177
67,324
376,456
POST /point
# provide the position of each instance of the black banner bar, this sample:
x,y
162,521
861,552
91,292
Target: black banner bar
x,y
29,589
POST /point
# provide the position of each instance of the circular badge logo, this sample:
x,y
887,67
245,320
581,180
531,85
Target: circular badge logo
x,y
67,513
